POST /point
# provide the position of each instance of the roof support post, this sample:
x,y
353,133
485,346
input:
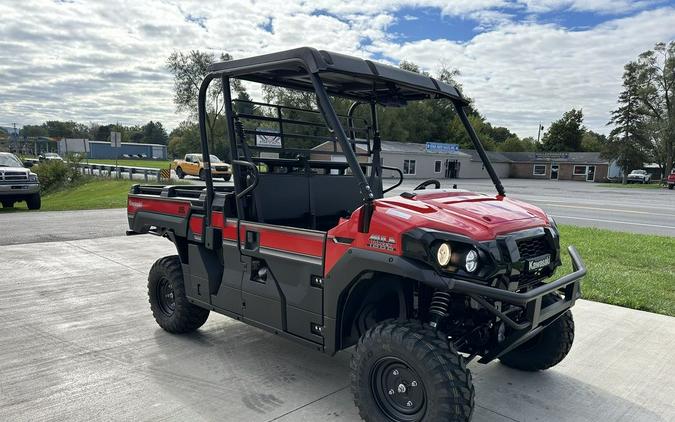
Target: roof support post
x,y
239,179
479,147
334,124
376,175
206,156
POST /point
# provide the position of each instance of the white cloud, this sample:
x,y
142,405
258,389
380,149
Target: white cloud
x,y
88,61
520,74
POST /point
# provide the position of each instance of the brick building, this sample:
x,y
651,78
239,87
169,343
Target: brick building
x,y
580,166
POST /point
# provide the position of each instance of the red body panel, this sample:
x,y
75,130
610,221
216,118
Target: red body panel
x,y
197,224
283,239
160,205
478,217
671,178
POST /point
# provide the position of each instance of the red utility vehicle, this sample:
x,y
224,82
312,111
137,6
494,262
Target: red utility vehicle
x,y
312,250
671,179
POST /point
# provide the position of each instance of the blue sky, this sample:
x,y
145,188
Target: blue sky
x,y
413,24
521,61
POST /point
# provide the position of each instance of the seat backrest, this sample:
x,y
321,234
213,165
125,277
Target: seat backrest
x,y
333,195
281,198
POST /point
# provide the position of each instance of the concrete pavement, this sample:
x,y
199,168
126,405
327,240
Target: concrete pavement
x,y
79,343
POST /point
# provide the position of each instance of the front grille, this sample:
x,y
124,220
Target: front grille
x,y
221,168
533,247
13,176
525,280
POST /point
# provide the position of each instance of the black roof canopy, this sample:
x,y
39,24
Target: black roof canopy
x,y
342,75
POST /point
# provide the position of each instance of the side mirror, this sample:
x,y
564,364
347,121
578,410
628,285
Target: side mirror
x,y
28,164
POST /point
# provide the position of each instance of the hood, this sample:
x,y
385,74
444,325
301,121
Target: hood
x,y
478,216
14,170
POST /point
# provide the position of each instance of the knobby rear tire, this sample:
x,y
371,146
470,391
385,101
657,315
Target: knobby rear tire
x,y
448,388
185,317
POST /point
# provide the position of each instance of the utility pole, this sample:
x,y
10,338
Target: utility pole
x,y
539,129
14,138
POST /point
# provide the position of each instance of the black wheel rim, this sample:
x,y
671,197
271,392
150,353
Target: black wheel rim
x,y
398,390
165,297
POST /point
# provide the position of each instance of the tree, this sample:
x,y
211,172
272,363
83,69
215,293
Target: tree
x,y
593,141
103,133
154,133
566,134
628,141
514,144
69,129
33,131
184,139
655,89
188,71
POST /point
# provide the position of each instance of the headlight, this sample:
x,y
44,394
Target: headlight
x,y
443,254
32,178
471,261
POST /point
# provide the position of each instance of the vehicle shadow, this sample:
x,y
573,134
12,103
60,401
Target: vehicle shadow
x,y
260,377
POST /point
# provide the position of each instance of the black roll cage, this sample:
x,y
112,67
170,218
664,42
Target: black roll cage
x,y
311,61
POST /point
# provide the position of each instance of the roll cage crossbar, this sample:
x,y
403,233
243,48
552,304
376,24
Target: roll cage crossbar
x,y
324,73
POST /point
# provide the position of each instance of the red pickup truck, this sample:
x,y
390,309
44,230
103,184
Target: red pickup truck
x,y
671,180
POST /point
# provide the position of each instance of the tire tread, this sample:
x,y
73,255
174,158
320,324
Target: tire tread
x,y
187,317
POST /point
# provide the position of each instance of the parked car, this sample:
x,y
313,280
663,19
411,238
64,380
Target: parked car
x,y
671,180
639,176
419,283
192,165
50,156
17,183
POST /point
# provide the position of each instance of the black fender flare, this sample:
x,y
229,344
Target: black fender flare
x,y
350,270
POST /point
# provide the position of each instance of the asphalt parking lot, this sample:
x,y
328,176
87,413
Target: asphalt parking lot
x,y
80,344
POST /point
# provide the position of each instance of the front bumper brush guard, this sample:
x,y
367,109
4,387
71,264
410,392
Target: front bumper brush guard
x,y
537,318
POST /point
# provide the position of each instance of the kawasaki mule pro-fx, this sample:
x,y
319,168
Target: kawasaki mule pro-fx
x,y
307,246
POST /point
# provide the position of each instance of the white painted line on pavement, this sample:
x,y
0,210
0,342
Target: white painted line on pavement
x,y
609,209
614,221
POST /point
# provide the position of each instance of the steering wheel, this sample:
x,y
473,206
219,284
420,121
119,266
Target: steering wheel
x,y
423,185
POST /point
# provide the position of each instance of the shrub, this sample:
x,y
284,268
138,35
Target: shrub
x,y
55,175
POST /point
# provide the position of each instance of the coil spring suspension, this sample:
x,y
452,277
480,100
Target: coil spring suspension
x,y
438,309
239,129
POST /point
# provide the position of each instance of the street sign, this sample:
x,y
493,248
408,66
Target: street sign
x,y
267,140
550,155
441,148
116,139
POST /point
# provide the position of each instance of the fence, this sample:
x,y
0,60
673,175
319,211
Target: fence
x,y
111,170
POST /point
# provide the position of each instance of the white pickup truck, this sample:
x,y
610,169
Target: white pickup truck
x,y
18,183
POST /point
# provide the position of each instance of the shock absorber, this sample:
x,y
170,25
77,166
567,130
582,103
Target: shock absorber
x,y
438,309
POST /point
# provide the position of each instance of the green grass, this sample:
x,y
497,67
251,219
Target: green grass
x,y
158,164
93,194
630,186
631,270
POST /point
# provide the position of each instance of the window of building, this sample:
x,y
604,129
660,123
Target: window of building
x,y
579,170
409,166
539,170
437,166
